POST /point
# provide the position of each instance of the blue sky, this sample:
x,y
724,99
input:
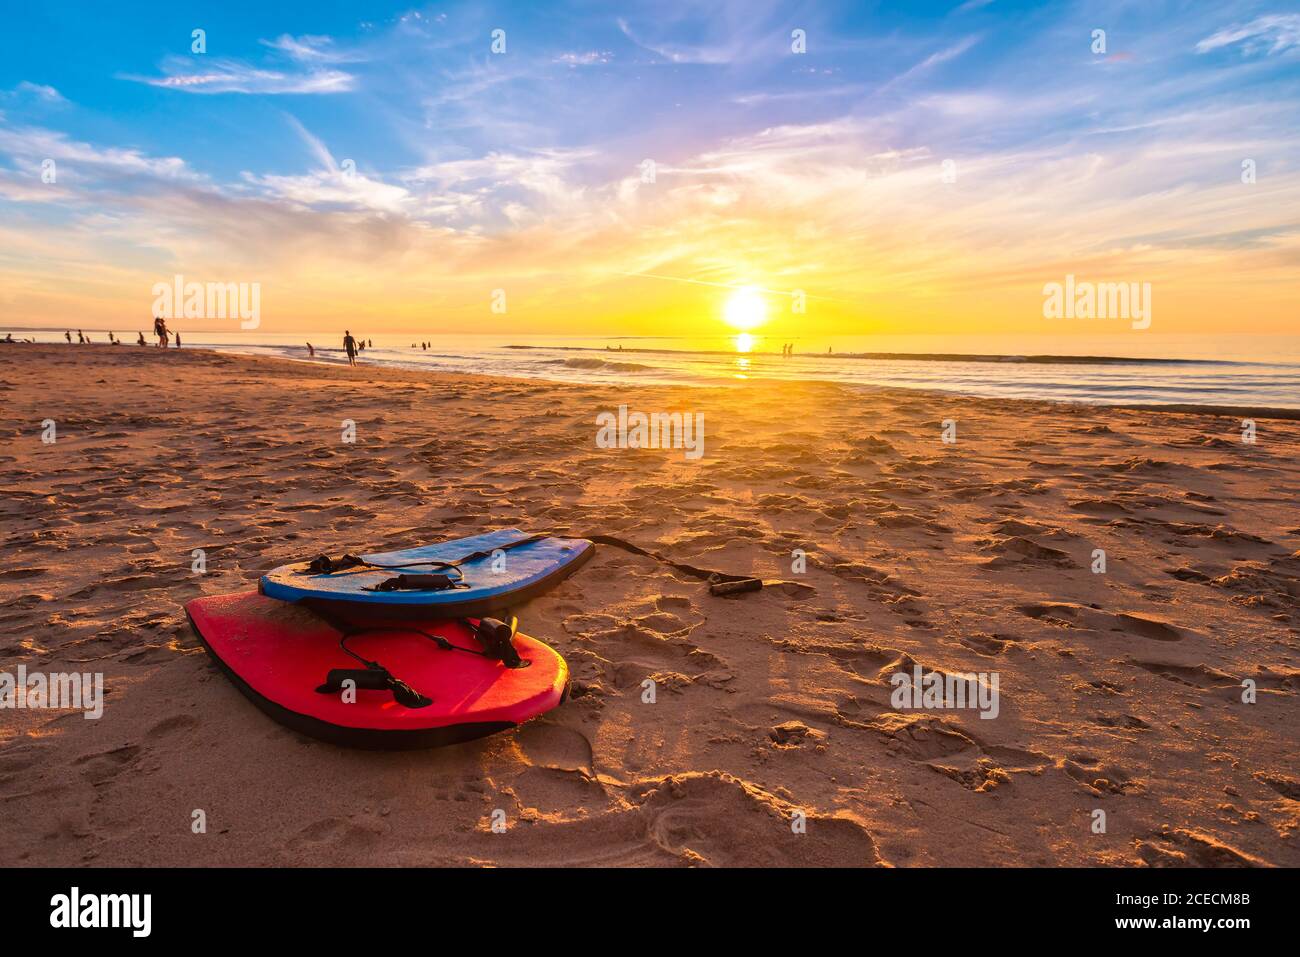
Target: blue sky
x,y
236,157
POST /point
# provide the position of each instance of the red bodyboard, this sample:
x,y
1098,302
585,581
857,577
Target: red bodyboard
x,y
278,653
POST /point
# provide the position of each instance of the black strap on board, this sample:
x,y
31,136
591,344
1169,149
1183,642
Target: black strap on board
x,y
439,582
374,677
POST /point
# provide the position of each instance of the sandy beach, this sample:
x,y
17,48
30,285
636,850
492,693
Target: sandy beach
x,y
1120,691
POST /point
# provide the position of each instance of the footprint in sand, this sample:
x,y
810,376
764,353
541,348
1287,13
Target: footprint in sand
x,y
1073,615
919,737
1288,787
354,835
555,747
983,776
1147,627
1182,847
173,725
673,603
1098,778
1018,551
987,645
1194,676
718,820
23,757
21,573
105,765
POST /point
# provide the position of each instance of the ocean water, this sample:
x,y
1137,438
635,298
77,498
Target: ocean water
x,y
1143,369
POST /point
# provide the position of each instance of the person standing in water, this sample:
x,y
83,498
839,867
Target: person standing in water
x,y
310,351
350,346
68,335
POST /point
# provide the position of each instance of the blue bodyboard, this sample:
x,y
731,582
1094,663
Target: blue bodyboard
x,y
487,583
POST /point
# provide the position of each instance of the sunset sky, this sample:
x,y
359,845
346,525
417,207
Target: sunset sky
x,y
523,170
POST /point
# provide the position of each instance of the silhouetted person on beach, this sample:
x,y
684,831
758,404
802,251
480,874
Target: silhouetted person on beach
x,y
350,346
160,330
310,351
81,338
68,336
178,340
140,341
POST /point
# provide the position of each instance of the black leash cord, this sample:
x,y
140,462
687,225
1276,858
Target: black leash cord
x,y
443,643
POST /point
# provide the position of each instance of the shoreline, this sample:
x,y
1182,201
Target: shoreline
x,y
1259,412
1024,359
1045,359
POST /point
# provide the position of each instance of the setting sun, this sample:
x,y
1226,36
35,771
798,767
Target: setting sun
x,y
745,309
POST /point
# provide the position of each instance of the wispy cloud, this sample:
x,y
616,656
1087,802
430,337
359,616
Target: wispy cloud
x,y
818,93
674,52
231,76
312,49
40,91
950,52
587,58
314,144
331,185
31,145
342,189
1269,35
28,188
